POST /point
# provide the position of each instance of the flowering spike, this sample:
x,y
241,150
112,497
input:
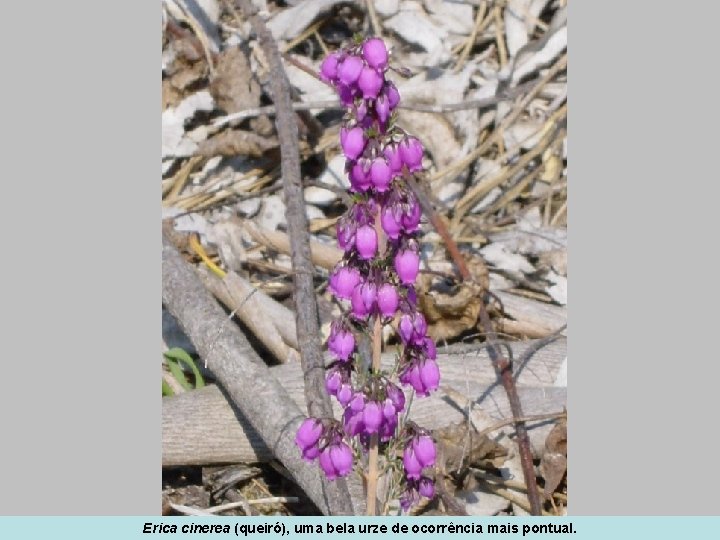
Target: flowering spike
x,y
376,277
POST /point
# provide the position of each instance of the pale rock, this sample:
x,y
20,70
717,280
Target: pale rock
x,y
499,256
313,212
289,23
249,207
310,88
455,17
173,123
272,213
191,223
558,289
387,8
414,26
334,175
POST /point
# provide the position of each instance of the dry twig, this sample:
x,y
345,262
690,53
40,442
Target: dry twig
x,y
306,310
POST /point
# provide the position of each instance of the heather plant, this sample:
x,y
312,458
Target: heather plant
x,y
375,282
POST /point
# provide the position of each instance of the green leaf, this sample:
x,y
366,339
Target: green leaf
x,y
178,354
178,373
166,390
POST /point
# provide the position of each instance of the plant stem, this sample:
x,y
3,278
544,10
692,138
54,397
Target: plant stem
x,y
376,355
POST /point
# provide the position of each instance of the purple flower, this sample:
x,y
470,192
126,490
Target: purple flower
x,y
380,174
390,224
424,377
343,281
353,416
411,153
333,381
407,265
345,229
361,110
396,395
429,376
426,487
349,69
346,94
308,433
424,449
352,141
328,69
375,53
387,430
360,175
344,394
388,409
341,342
363,300
392,154
430,349
372,417
366,242
411,215
307,437
382,108
336,460
370,82
392,94
412,466
387,300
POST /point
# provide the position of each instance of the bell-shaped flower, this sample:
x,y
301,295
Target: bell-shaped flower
x,y
336,460
353,142
390,223
360,175
426,487
411,215
370,82
413,468
407,265
341,342
380,174
366,242
411,153
343,281
382,108
396,395
375,53
387,300
429,376
392,154
349,69
363,300
372,417
424,449
329,67
344,394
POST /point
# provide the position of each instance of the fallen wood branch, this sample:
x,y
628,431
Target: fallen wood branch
x,y
322,255
201,427
531,313
269,321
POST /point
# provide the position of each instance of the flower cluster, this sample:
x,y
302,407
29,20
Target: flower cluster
x,y
376,277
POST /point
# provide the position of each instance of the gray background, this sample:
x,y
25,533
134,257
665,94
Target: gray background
x,y
80,286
